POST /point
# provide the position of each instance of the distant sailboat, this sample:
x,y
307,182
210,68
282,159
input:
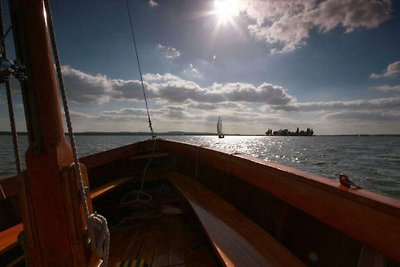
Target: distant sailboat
x,y
219,128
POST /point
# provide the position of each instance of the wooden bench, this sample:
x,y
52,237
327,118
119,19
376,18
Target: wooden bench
x,y
9,237
9,240
101,190
237,240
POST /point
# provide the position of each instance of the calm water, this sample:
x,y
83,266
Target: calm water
x,y
373,162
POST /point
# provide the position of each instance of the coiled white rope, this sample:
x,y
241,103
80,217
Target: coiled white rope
x,y
99,236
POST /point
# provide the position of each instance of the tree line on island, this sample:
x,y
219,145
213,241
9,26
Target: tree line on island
x,y
286,132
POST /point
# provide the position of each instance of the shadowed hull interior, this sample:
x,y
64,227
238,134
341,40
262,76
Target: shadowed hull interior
x,y
315,219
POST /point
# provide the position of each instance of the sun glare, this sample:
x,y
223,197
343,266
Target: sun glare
x,y
226,9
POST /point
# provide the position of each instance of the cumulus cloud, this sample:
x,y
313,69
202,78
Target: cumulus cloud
x,y
244,92
153,3
156,77
392,70
366,115
192,72
181,103
175,89
124,114
169,52
350,105
80,115
84,87
388,88
170,89
287,24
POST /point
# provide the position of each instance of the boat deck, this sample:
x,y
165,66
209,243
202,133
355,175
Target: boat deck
x,y
163,232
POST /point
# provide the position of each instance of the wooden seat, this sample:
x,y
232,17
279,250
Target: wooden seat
x,y
9,238
237,240
101,190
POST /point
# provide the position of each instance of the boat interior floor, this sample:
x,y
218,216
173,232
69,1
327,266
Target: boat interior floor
x,y
161,230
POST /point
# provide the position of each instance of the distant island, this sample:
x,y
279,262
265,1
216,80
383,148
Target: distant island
x,y
286,132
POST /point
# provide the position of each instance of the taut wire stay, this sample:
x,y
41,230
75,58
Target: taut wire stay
x,y
140,69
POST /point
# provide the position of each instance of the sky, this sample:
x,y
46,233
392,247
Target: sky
x,y
333,65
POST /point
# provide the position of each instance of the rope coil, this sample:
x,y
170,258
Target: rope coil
x,y
99,235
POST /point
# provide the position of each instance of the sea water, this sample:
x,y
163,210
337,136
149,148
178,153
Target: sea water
x,y
372,162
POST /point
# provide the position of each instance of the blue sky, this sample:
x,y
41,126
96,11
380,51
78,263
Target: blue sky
x,y
333,66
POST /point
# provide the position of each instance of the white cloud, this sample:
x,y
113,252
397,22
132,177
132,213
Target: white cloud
x,y
287,24
80,115
179,104
153,3
156,77
124,114
169,52
192,72
84,87
388,88
129,90
168,88
392,70
350,105
366,116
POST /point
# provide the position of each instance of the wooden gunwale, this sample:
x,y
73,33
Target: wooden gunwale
x,y
9,237
226,162
364,216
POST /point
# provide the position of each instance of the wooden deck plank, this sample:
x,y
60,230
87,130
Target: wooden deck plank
x,y
161,249
176,242
162,231
237,240
149,244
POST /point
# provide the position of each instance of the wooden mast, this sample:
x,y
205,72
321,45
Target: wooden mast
x,y
53,233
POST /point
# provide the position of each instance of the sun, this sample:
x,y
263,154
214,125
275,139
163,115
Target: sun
x,y
226,10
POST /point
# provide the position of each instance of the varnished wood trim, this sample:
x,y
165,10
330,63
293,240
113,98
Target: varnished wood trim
x,y
9,237
237,239
146,156
97,192
370,218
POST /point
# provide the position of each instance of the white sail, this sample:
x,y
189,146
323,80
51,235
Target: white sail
x,y
219,127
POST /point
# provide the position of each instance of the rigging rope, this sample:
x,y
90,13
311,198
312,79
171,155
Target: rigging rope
x,y
140,70
9,97
97,224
